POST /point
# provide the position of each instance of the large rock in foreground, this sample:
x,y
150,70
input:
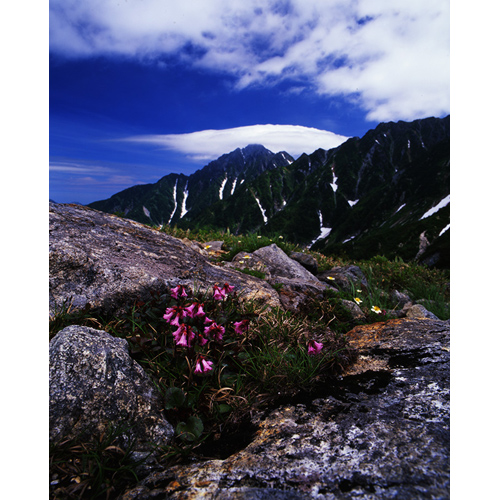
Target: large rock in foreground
x,y
96,386
382,432
107,263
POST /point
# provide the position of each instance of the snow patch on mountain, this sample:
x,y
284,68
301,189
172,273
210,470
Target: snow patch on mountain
x,y
261,209
324,231
222,186
285,158
334,183
233,186
146,211
184,199
403,205
439,206
444,229
175,202
352,203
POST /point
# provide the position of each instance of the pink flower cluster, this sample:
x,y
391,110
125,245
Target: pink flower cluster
x,y
220,293
203,365
314,347
194,327
174,292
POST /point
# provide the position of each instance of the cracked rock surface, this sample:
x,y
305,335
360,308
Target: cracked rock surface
x,y
381,431
104,262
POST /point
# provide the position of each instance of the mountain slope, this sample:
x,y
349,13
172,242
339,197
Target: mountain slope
x,y
370,195
256,201
390,177
177,196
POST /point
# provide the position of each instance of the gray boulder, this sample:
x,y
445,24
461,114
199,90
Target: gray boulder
x,y
399,299
106,263
281,266
344,277
354,309
95,385
419,311
296,285
306,260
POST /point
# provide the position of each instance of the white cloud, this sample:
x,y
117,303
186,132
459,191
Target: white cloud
x,y
89,174
79,168
210,144
391,57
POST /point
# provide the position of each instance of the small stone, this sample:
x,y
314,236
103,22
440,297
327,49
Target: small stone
x,y
419,311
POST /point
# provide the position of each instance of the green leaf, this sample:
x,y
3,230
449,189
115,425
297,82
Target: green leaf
x,y
190,430
174,398
223,408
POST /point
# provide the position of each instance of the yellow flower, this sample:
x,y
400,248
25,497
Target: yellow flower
x,y
281,237
330,278
207,247
246,257
376,309
357,300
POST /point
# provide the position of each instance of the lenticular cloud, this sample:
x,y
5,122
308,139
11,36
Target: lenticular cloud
x,y
210,144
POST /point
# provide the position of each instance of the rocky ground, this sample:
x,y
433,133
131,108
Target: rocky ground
x,y
380,430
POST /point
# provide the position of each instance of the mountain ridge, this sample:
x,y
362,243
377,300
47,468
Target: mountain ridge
x,y
365,197
168,200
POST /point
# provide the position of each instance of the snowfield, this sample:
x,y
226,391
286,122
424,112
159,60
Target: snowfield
x,y
439,206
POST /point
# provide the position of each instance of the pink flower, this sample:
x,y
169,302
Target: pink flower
x,y
201,339
203,365
200,313
195,309
174,292
219,293
241,327
184,335
314,347
177,313
214,330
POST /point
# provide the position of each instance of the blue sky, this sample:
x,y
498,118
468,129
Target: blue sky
x,y
142,88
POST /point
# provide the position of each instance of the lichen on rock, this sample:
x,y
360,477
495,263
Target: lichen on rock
x,y
96,386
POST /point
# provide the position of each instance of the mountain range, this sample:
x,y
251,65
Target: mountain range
x,y
386,193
